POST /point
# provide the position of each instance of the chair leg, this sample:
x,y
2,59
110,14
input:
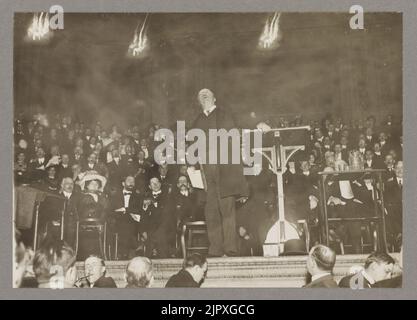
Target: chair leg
x,y
183,249
342,248
77,234
116,256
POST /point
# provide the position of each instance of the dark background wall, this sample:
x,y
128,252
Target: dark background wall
x,y
321,66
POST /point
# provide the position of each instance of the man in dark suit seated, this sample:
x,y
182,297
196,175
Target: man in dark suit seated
x,y
393,203
126,205
36,167
320,264
184,202
192,274
71,209
95,274
378,267
157,216
115,168
369,162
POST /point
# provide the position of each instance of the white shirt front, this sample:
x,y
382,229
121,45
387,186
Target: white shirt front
x,y
145,150
208,111
126,196
67,194
156,193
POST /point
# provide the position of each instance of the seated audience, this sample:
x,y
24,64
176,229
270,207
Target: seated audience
x,y
378,267
320,263
192,274
139,273
95,274
71,146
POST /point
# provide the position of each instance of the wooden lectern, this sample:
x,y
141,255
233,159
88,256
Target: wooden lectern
x,y
278,152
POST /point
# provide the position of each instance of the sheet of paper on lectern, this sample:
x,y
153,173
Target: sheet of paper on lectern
x,y
196,178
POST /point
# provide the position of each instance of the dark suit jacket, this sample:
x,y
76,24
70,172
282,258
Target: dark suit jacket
x,y
115,173
105,282
35,171
392,192
389,283
323,282
185,207
135,202
157,218
345,282
231,180
64,172
81,161
182,279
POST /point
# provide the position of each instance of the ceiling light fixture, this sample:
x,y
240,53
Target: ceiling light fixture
x,y
271,34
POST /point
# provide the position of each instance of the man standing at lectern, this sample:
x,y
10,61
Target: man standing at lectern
x,y
226,183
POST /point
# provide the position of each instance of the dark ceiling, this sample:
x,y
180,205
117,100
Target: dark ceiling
x,y
320,66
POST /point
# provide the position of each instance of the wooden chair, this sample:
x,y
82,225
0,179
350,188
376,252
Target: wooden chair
x,y
190,229
93,225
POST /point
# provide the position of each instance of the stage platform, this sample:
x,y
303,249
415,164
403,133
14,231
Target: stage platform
x,y
249,272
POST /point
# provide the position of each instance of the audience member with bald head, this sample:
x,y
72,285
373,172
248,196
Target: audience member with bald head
x,y
139,273
95,272
320,264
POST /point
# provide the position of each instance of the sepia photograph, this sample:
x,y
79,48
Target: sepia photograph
x,y
212,150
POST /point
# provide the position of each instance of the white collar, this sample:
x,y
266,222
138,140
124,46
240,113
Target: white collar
x,y
67,194
321,275
184,193
207,112
368,277
155,193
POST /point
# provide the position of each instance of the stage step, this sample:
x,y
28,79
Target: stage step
x,y
272,272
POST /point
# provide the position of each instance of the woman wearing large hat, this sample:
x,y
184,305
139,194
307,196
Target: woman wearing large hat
x,y
92,211
93,203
